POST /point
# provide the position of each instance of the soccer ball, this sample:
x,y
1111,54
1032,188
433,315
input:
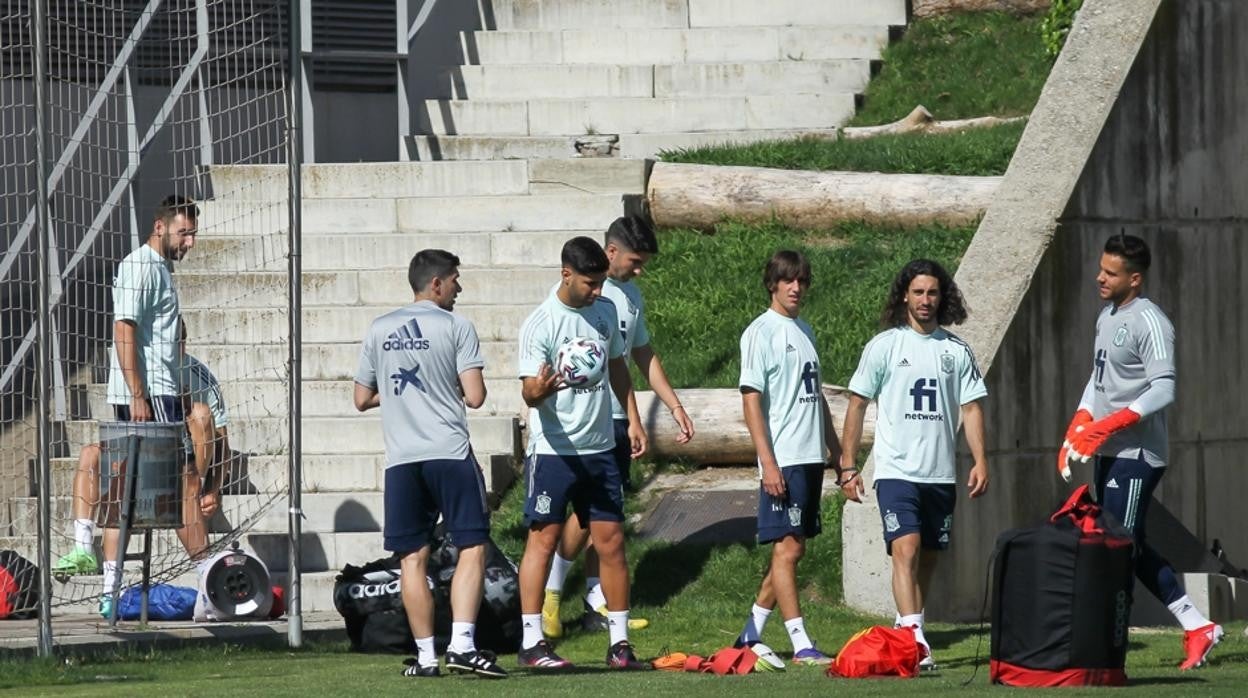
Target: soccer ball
x,y
582,362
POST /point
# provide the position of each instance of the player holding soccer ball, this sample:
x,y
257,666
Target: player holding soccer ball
x,y
791,427
1121,423
922,376
421,364
571,439
630,243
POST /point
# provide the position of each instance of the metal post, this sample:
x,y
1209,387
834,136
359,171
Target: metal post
x,y
44,369
301,64
294,155
400,78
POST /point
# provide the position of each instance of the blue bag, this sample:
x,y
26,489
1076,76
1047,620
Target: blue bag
x,y
164,602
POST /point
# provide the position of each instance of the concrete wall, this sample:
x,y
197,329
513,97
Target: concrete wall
x,y
1170,165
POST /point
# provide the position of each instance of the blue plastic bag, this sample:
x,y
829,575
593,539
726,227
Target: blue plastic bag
x,y
164,602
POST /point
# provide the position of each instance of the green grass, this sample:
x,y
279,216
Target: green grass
x,y
974,152
327,669
703,290
960,66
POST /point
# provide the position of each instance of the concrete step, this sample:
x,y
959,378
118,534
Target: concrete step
x,y
660,46
236,367
510,213
552,81
328,325
350,287
355,435
246,217
747,13
367,251
367,180
568,117
568,14
652,145
770,78
493,147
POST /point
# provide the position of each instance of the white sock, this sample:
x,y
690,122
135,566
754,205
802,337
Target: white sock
x,y
594,597
425,653
558,573
84,534
617,625
753,630
1187,614
110,575
915,620
531,623
796,629
897,620
462,637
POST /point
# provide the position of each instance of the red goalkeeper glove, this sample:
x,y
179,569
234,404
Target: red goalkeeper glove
x,y
1090,437
1081,418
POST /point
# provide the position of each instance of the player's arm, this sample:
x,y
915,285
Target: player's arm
x,y
832,443
973,425
535,389
126,341
652,368
366,398
848,476
472,384
622,386
756,423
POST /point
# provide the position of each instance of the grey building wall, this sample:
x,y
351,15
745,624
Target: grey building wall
x,y
1171,166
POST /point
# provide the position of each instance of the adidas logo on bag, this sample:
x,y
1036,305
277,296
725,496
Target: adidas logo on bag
x,y
1112,484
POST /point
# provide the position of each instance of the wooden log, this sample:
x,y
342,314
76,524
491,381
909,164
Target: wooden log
x,y
920,120
699,196
720,436
933,8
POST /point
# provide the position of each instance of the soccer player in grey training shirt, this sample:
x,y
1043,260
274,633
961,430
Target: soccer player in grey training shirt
x,y
1121,421
429,360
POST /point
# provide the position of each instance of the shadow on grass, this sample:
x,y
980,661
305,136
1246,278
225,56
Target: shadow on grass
x,y
665,570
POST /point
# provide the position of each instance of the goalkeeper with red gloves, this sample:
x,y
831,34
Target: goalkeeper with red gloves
x,y
1121,423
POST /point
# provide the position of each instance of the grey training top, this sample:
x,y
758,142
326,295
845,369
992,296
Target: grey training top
x,y
1133,366
418,352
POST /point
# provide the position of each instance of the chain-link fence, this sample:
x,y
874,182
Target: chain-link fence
x,y
143,100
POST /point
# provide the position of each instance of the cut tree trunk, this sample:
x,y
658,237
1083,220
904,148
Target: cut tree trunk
x,y
932,8
720,436
921,121
699,196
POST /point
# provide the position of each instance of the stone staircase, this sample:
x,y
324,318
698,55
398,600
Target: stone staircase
x,y
499,183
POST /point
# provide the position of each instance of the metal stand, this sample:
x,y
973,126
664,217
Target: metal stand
x,y
128,487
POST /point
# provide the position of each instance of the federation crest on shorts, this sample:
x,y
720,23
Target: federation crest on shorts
x,y
890,522
795,516
1120,337
946,363
542,504
948,523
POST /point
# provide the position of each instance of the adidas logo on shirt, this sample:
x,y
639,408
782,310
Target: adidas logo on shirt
x,y
407,337
1112,484
904,363
789,348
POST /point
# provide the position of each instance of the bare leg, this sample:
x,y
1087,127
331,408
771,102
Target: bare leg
x,y
907,591
467,583
609,542
785,553
86,488
417,599
538,549
573,541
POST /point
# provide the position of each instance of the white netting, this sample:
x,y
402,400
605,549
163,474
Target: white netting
x,y
145,99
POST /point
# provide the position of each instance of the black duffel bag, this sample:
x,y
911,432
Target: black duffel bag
x,y
1061,599
19,587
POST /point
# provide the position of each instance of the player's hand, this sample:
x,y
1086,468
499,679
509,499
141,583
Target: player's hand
x,y
140,410
209,502
1081,418
1090,437
551,381
637,439
977,482
773,480
850,481
684,423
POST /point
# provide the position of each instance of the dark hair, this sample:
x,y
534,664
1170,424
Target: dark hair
x,y
584,256
952,310
173,206
785,265
1133,251
634,234
428,265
